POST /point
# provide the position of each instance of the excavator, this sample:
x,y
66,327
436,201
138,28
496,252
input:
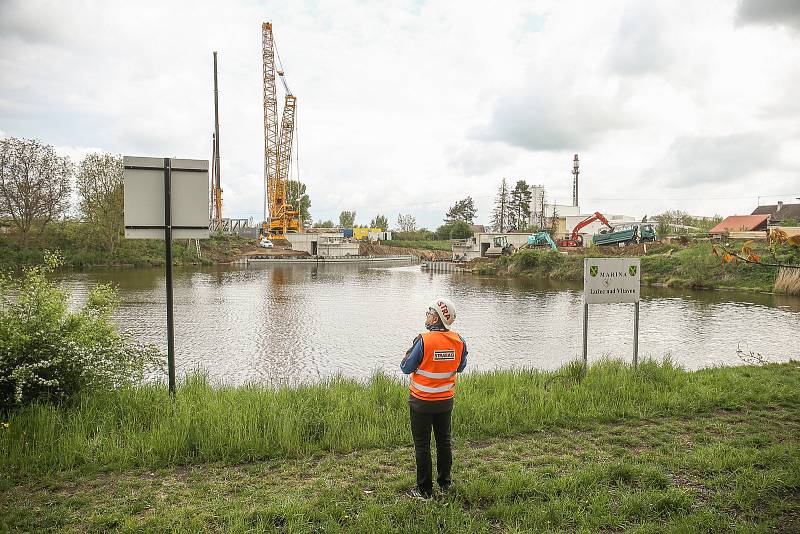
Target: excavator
x,y
575,239
283,217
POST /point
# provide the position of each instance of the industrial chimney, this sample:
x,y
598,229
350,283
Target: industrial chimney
x,y
575,171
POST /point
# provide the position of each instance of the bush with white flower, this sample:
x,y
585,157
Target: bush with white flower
x,y
48,353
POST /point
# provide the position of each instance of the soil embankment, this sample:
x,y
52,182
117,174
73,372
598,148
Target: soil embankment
x,y
381,249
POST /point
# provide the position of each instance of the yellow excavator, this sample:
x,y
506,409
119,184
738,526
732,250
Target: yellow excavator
x,y
283,218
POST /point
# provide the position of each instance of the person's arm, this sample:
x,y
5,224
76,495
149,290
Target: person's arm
x,y
413,357
463,363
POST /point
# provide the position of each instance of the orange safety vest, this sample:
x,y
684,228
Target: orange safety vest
x,y
435,378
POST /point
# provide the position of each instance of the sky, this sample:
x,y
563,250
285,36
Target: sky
x,y
408,106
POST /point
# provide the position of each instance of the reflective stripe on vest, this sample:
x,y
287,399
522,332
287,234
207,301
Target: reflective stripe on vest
x,y
434,379
434,375
440,389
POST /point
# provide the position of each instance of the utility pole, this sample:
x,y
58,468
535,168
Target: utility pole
x,y
218,184
575,172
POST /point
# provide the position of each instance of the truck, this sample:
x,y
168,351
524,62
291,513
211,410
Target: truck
x,y
626,234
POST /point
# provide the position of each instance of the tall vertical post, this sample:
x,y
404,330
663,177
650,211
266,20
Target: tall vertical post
x,y
585,333
168,261
218,184
575,172
636,334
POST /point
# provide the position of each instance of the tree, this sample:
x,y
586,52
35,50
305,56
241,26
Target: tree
x,y
520,206
324,224
34,184
463,210
500,213
347,219
296,196
406,223
460,230
379,222
99,184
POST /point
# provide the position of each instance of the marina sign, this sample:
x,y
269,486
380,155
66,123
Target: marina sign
x,y
610,280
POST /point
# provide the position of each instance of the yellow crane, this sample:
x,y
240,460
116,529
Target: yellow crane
x,y
283,218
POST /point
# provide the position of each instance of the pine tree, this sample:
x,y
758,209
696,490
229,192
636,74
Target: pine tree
x,y
500,213
519,214
463,210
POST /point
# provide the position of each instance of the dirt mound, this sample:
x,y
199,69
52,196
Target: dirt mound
x,y
382,249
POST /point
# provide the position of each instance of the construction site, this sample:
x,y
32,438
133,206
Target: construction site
x,y
281,233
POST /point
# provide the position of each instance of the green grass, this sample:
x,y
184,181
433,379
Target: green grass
x,y
686,266
80,248
142,427
652,450
425,245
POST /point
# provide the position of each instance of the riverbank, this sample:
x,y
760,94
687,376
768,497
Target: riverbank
x,y
615,447
80,248
671,265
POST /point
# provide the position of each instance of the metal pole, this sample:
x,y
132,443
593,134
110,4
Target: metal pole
x,y
636,334
585,332
168,246
216,127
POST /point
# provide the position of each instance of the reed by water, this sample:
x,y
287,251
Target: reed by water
x,y
143,426
788,281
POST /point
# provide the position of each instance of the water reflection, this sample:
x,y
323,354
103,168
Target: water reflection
x,y
289,323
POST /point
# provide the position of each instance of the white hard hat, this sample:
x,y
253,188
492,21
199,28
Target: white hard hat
x,y
445,309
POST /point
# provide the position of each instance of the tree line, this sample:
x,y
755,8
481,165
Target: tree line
x,y
36,189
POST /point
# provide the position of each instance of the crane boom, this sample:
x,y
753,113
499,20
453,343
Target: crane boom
x,y
270,117
282,217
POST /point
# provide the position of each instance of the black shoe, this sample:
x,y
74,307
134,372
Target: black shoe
x,y
415,493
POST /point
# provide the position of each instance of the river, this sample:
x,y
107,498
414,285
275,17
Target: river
x,y
285,324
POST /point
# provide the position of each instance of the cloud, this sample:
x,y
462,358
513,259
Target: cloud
x,y
770,12
642,45
708,160
554,117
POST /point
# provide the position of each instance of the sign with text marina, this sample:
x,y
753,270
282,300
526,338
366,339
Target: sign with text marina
x,y
610,280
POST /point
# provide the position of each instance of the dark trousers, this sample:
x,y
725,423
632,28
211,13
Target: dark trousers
x,y
421,424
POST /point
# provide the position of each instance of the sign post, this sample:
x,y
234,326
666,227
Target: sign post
x,y
611,280
166,198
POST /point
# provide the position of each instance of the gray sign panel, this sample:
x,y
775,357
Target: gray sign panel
x,y
144,198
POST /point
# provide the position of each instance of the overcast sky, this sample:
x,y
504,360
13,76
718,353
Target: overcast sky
x,y
408,106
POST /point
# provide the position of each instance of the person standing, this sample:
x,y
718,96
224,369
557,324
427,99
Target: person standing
x,y
433,361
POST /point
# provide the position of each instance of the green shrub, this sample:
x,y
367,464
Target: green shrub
x,y
48,353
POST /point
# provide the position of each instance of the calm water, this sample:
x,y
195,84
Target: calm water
x,y
289,323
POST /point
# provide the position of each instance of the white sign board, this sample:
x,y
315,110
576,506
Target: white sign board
x,y
144,195
607,280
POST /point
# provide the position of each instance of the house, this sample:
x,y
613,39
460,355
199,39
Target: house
x,y
779,212
740,223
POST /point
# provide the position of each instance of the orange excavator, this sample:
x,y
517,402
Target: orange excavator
x,y
576,239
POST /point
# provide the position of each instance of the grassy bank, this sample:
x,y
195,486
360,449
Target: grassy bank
x,y
651,449
81,248
672,265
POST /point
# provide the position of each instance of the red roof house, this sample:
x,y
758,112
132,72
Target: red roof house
x,y
741,223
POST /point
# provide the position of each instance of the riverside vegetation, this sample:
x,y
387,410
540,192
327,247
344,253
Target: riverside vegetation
x,y
673,265
610,447
79,246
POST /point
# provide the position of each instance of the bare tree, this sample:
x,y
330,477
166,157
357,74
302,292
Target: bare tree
x,y
34,185
99,183
406,223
